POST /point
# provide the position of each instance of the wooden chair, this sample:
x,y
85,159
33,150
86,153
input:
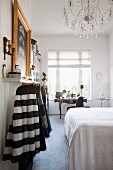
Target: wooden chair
x,y
79,103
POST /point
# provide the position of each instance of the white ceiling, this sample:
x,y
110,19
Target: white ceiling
x,y
47,18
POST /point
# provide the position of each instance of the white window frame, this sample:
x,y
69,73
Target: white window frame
x,y
74,66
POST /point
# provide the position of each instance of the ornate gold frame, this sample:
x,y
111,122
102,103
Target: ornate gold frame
x,y
18,14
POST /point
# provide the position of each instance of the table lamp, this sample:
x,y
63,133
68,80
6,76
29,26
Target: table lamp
x,y
81,87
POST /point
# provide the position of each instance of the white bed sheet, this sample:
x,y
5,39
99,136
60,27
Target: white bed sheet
x,y
90,136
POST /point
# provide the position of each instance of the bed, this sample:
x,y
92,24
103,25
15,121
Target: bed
x,y
89,132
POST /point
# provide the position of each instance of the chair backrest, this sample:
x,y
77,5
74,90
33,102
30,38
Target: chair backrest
x,y
80,102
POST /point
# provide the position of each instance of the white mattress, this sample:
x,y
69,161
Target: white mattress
x,y
90,136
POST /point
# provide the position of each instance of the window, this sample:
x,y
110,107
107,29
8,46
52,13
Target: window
x,y
68,70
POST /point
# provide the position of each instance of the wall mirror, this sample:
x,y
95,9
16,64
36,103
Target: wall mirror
x,y
22,40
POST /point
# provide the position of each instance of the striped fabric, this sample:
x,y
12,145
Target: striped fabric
x,y
23,137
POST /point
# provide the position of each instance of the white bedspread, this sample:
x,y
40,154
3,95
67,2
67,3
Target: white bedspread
x,y
90,135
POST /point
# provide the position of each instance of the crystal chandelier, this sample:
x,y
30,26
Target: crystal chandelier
x,y
87,17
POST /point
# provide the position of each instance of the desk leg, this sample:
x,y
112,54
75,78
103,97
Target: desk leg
x,y
60,109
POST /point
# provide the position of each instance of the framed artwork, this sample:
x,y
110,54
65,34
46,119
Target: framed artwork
x,y
22,41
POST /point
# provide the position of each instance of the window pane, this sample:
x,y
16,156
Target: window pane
x,y
68,79
68,72
86,62
86,78
69,62
69,55
52,82
52,55
52,62
85,55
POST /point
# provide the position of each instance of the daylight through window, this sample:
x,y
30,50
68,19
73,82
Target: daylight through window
x,y
68,70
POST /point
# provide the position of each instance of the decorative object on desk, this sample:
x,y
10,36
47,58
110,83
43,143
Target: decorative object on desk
x,y
64,94
8,47
74,95
81,87
101,95
68,94
64,91
4,73
89,17
58,95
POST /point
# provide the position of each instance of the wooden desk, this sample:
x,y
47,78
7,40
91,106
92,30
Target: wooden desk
x,y
64,100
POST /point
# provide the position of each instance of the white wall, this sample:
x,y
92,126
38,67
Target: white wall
x,y
99,48
7,90
26,8
111,67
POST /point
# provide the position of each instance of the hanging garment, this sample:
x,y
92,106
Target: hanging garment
x,y
23,138
42,112
44,98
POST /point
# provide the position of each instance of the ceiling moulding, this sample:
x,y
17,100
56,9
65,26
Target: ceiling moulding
x,y
65,35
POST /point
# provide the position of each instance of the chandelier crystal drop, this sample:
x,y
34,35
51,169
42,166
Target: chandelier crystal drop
x,y
86,18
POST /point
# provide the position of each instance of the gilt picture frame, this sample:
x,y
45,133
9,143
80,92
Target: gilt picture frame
x,y
22,41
